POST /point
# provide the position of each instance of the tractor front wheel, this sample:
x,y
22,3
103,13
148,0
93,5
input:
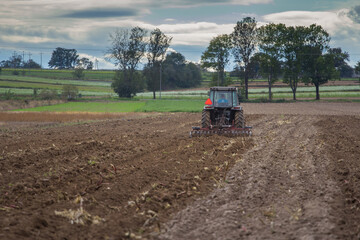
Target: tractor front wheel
x,y
205,119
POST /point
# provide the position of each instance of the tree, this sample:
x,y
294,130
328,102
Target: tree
x,y
174,66
244,39
157,47
84,63
48,94
340,63
125,89
270,55
346,71
31,64
217,56
63,58
270,68
292,41
78,73
178,73
127,49
69,92
318,68
357,69
192,74
15,61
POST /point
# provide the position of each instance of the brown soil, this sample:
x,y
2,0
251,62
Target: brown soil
x,y
141,176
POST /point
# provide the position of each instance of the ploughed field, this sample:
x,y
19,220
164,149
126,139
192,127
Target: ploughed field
x,y
139,175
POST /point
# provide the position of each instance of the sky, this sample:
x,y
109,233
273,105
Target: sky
x,y
34,28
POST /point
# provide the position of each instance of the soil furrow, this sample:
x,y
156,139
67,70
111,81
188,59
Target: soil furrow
x,y
278,190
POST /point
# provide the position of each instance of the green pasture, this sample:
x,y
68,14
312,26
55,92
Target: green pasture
x,y
283,92
20,85
101,86
301,95
188,94
30,92
12,84
306,89
172,106
126,106
103,107
17,85
103,75
21,79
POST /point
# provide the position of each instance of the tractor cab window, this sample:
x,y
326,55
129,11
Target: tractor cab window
x,y
222,99
235,99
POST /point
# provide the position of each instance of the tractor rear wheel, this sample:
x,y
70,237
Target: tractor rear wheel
x,y
239,119
205,119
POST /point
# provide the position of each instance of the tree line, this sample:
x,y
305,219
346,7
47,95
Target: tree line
x,y
18,61
160,72
297,54
61,58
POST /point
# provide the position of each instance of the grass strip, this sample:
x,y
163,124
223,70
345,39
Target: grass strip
x,y
172,106
55,81
103,107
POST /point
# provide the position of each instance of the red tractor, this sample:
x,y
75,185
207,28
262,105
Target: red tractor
x,y
222,114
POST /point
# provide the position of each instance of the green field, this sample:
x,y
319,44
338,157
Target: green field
x,y
278,93
98,84
109,107
24,85
126,106
102,75
54,81
29,85
172,106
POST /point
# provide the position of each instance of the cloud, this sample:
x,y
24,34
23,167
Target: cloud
x,y
195,33
354,14
101,13
191,3
333,22
90,22
101,61
343,26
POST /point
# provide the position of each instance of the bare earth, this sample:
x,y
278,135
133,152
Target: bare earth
x,y
140,176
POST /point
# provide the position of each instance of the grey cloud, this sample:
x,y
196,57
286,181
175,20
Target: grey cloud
x,y
32,32
192,3
354,14
101,13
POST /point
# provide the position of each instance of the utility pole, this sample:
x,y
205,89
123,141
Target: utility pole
x,y
160,77
29,55
96,64
41,60
14,54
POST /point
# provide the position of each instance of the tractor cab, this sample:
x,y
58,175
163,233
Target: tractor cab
x,y
222,97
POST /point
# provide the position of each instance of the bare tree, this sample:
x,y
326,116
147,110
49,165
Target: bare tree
x,y
357,69
127,49
244,39
157,47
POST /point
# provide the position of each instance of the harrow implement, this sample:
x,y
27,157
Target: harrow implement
x,y
229,131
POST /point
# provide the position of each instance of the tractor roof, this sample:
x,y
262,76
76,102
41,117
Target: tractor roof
x,y
223,89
